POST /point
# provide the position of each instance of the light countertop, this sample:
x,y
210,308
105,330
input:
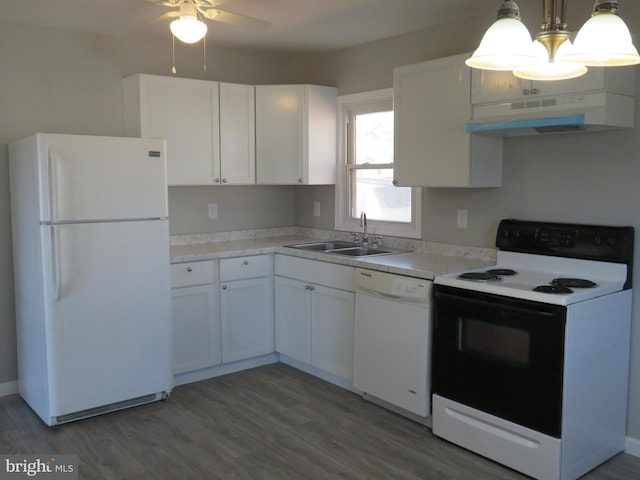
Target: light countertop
x,y
420,263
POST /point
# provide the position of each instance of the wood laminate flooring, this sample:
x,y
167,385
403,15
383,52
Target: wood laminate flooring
x,y
272,422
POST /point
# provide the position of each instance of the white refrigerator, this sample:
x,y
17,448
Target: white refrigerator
x,y
91,267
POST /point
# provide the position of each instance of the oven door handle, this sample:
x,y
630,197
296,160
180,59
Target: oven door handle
x,y
457,299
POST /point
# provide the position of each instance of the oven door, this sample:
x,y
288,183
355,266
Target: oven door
x,y
500,355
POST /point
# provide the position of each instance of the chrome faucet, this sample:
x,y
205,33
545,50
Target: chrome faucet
x,y
363,224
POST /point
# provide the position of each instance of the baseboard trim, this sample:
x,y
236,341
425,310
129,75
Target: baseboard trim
x,y
8,388
632,446
224,369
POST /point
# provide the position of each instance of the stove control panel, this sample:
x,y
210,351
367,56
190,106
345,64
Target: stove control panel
x,y
592,242
555,238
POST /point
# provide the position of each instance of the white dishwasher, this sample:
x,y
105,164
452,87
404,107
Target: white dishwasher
x,y
392,340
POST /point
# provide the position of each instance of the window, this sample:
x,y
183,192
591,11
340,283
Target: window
x,y
365,171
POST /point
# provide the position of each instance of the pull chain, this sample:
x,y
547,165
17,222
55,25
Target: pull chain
x,y
173,51
204,53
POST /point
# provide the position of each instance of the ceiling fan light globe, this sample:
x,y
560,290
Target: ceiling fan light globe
x,y
188,29
604,41
506,45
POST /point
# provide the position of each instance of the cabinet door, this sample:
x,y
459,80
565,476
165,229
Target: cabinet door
x,y
185,113
431,146
489,86
247,318
280,134
332,316
237,134
196,328
293,318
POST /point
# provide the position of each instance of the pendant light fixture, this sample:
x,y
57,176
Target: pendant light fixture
x,y
604,40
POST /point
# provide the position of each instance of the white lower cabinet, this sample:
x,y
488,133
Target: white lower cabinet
x,y
246,307
314,322
332,313
293,318
195,316
236,309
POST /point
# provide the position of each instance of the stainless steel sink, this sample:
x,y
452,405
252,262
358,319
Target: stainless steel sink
x,y
321,246
361,251
342,248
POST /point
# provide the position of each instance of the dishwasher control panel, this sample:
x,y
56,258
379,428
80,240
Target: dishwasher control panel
x,y
403,288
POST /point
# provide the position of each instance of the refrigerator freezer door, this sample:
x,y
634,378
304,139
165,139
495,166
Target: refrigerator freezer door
x,y
108,318
88,178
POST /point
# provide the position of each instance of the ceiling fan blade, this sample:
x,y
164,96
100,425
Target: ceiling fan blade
x,y
235,19
166,3
164,16
211,3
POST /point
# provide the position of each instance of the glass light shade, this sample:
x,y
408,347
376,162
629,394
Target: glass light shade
x,y
506,45
556,69
188,29
604,41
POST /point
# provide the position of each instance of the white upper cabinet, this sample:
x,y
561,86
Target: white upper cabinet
x,y
185,113
296,128
432,106
237,134
496,86
209,127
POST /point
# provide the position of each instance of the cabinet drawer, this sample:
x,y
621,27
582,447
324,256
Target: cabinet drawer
x,y
239,268
193,273
316,272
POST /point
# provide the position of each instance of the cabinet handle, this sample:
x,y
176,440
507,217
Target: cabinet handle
x,y
189,269
534,91
224,180
246,262
525,91
312,288
217,180
395,182
301,180
224,287
307,287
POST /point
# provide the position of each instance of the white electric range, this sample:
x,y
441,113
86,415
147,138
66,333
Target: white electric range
x,y
531,356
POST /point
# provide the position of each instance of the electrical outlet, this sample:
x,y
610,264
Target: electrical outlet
x,y
316,209
463,218
213,211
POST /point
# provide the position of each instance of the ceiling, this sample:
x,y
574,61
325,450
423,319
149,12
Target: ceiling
x,y
295,25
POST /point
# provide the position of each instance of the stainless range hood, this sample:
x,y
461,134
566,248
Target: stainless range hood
x,y
557,114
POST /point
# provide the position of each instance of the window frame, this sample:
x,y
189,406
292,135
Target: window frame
x,y
371,101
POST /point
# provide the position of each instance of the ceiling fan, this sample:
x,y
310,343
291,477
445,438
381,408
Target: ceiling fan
x,y
188,25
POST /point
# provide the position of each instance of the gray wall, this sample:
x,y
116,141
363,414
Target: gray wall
x,y
589,178
66,82
239,208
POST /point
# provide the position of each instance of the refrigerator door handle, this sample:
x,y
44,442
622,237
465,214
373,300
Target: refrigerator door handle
x,y
54,160
56,265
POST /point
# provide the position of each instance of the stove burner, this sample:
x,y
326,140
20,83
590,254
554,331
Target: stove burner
x,y
573,282
479,276
503,272
554,289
